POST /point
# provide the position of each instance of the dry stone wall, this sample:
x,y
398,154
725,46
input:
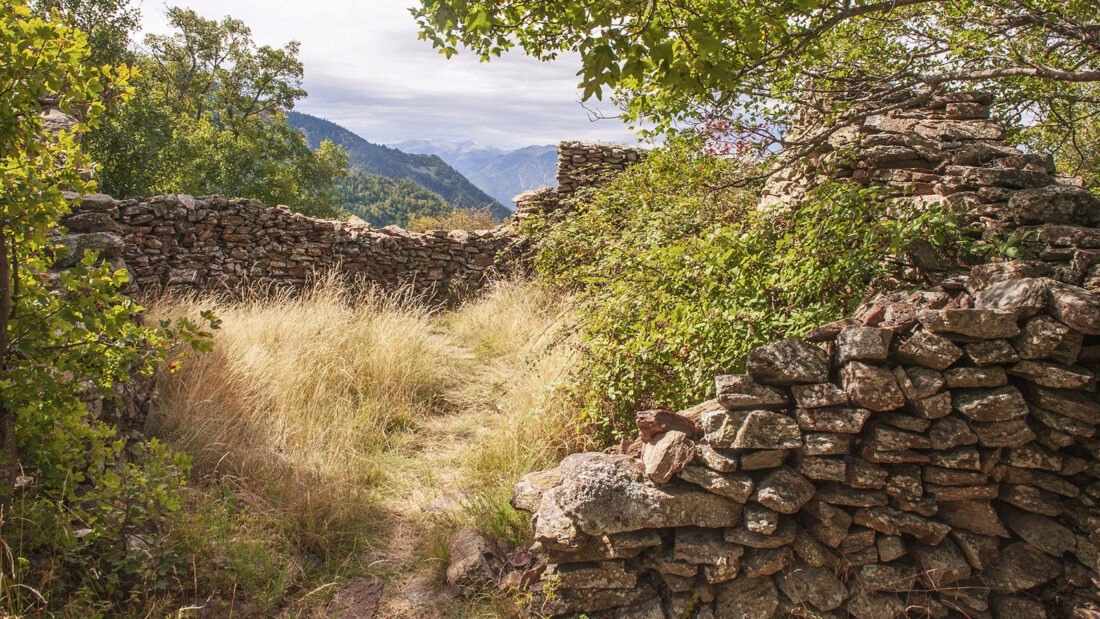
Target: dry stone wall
x,y
948,152
580,164
215,243
933,455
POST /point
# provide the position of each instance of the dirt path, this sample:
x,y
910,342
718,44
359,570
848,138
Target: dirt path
x,y
425,492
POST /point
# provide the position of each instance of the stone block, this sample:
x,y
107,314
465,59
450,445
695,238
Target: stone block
x,y
788,362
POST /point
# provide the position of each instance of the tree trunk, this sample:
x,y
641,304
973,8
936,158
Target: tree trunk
x,y
9,450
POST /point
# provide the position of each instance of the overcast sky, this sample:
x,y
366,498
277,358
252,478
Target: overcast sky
x,y
366,70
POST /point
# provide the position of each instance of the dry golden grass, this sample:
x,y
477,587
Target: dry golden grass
x,y
516,331
301,397
342,415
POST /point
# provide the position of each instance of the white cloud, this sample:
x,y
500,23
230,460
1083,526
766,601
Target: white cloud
x,y
366,70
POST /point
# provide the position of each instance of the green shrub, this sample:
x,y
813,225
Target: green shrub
x,y
679,275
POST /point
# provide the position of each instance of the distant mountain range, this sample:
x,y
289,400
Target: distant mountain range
x,y
501,173
428,171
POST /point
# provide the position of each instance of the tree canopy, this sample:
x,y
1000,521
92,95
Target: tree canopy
x,y
208,115
759,62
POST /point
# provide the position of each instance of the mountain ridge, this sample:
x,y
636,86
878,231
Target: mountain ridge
x,y
501,173
427,170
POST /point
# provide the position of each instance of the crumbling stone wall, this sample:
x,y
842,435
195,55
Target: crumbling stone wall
x,y
949,152
580,164
933,455
217,243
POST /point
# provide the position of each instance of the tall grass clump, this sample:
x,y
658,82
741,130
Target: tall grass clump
x,y
517,332
302,396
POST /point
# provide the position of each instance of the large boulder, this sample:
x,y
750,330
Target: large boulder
x,y
607,493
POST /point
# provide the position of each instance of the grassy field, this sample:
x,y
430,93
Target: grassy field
x,y
338,437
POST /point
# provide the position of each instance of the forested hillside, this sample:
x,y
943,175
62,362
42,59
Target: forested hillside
x,y
504,174
429,171
382,201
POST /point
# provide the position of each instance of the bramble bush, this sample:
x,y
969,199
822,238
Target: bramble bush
x,y
679,275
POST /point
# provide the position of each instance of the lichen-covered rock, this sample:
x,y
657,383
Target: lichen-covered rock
x,y
983,323
1077,308
528,491
941,565
1021,567
836,420
741,392
858,343
1023,297
788,362
667,455
929,350
872,387
654,422
1054,204
605,493
814,585
822,395
784,491
736,486
746,599
752,430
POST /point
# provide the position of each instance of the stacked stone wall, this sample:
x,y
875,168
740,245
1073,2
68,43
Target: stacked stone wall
x,y
215,243
950,153
580,165
933,455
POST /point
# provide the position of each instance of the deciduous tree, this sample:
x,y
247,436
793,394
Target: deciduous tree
x,y
208,116
675,62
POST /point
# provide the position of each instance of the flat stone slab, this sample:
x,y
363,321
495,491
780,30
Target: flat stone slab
x,y
980,323
863,343
753,430
929,350
784,491
1000,404
872,387
741,392
838,420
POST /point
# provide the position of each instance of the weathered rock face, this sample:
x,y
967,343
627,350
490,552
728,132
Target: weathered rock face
x,y
932,455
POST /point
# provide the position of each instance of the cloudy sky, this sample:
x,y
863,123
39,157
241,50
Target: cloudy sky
x,y
366,70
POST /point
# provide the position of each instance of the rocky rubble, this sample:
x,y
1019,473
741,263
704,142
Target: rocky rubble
x,y
934,455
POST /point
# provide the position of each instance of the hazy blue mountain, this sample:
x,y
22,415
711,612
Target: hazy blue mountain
x,y
501,173
428,171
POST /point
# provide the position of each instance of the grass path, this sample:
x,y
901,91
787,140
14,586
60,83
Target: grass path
x,y
370,429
